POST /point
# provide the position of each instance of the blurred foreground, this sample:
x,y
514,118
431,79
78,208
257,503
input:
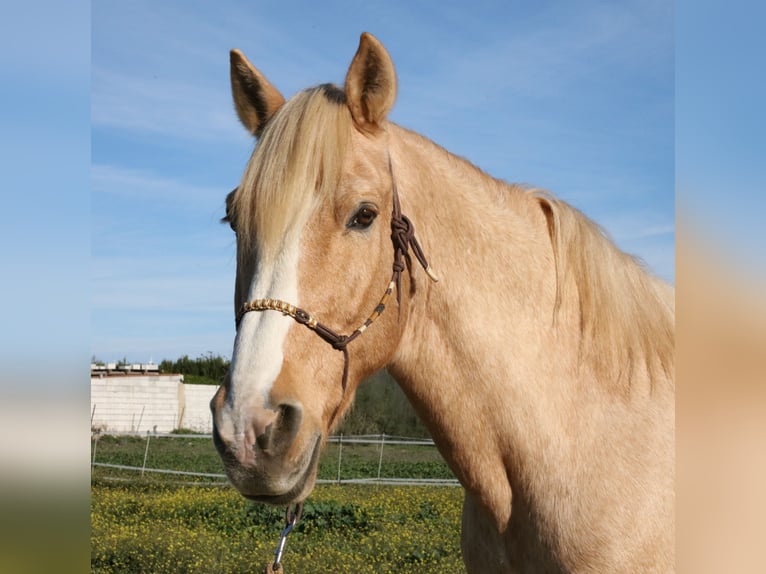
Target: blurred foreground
x,y
720,412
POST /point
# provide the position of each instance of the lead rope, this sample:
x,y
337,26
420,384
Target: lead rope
x,y
291,520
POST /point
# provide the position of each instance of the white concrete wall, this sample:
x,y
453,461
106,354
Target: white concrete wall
x,y
149,403
196,414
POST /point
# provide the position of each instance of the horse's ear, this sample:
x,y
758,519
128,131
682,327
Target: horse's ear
x,y
370,84
255,98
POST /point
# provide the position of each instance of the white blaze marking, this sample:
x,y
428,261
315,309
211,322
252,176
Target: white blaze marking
x,y
258,347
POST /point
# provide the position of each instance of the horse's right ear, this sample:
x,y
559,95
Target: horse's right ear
x,y
370,84
255,99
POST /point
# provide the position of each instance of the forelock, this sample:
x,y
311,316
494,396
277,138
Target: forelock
x,y
296,164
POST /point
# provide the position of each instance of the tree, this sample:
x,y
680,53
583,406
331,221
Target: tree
x,y
206,369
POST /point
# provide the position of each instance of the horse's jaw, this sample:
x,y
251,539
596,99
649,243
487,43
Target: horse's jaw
x,y
277,480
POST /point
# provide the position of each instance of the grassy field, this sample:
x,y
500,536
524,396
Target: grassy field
x,y
172,524
345,529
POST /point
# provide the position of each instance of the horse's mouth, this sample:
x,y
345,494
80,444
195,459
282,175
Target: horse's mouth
x,y
302,485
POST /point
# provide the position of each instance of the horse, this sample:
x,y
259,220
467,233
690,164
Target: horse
x,y
538,354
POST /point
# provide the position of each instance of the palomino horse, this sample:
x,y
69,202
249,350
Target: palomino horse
x,y
541,360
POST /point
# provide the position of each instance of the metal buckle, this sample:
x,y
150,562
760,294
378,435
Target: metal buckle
x,y
291,519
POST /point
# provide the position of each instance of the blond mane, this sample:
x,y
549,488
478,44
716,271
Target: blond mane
x,y
626,314
296,164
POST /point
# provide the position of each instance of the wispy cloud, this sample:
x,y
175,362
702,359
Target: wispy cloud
x,y
196,293
144,186
638,223
163,344
543,56
162,106
177,85
658,231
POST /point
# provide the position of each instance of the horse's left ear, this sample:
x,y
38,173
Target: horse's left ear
x,y
255,99
370,84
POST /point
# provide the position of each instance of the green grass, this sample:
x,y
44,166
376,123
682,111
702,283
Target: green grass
x,y
179,452
145,526
399,461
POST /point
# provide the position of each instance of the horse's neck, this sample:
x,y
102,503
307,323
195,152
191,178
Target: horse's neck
x,y
501,390
475,339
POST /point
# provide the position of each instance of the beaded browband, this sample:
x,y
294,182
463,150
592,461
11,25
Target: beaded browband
x,y
403,237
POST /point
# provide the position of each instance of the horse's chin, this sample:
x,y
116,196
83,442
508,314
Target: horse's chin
x,y
262,484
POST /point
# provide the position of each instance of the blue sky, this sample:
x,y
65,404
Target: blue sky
x,y
576,97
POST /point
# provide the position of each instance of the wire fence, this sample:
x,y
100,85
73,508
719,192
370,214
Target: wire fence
x,y
360,459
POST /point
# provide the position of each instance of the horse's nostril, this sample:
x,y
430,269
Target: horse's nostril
x,y
290,415
263,440
286,427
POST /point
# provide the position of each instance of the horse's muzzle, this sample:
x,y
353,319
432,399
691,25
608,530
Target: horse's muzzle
x,y
267,460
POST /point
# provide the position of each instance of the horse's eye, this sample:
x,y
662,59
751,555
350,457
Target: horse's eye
x,y
363,218
228,220
228,217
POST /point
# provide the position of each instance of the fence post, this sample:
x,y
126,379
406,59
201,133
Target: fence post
x,y
92,414
380,460
340,454
140,418
146,452
95,446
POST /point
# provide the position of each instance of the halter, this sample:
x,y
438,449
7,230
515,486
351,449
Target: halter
x,y
403,237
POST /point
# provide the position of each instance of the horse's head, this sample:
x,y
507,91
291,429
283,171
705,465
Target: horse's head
x,y
312,216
